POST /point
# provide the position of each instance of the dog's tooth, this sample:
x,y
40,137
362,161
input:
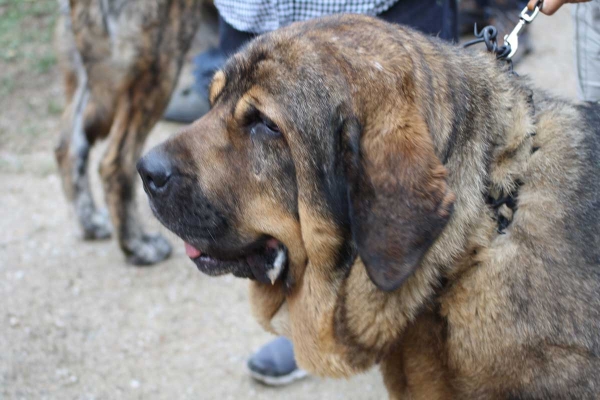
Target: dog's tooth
x,y
278,264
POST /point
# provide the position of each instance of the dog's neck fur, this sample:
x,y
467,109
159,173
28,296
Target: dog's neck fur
x,y
483,87
497,168
457,129
478,87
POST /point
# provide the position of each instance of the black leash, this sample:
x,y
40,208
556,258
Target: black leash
x,y
488,36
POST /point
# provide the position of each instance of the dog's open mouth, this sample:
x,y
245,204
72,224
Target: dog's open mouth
x,y
265,262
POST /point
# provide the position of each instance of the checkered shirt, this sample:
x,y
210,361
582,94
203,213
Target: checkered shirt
x,y
259,16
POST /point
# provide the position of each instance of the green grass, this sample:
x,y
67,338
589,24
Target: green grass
x,y
26,31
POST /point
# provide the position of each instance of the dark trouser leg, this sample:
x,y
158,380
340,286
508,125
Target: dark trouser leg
x,y
487,12
433,17
208,62
190,103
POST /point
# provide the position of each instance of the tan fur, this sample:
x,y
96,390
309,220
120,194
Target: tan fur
x,y
217,85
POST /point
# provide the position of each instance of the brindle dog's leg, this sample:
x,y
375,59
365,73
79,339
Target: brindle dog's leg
x,y
137,112
125,70
80,126
72,155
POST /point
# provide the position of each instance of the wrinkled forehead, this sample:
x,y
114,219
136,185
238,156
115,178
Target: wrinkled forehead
x,y
278,71
259,63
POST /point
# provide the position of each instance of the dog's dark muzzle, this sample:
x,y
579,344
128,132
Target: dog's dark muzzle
x,y
177,200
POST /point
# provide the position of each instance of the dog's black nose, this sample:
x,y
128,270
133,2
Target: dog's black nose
x,y
156,171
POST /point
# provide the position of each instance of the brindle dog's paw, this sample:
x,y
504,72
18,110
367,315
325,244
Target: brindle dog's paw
x,y
98,227
148,250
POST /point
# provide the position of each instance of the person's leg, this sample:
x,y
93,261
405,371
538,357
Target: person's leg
x,y
207,63
471,12
190,103
586,17
429,16
230,39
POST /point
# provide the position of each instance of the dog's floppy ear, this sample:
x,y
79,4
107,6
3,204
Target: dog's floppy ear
x,y
399,200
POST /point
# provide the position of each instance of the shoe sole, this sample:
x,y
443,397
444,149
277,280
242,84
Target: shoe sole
x,y
279,380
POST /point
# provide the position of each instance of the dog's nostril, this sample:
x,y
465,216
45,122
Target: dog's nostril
x,y
159,179
155,170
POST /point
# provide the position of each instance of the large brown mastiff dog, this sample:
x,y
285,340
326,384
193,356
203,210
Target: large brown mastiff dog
x,y
400,201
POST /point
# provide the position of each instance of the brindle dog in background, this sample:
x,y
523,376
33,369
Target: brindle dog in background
x,y
121,60
401,201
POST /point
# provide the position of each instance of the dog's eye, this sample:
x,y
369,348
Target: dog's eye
x,y
264,127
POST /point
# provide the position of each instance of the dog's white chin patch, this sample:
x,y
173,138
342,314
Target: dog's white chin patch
x,y
278,265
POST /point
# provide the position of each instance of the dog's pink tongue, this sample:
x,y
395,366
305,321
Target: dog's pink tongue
x,y
191,251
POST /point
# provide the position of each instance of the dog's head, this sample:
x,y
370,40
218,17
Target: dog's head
x,y
315,154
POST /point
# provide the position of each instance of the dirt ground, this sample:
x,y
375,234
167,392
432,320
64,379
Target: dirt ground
x,y
76,322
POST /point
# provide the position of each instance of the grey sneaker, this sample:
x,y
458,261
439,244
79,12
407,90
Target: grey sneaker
x,y
274,364
186,106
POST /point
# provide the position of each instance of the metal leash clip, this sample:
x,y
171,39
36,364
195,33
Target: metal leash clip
x,y
512,39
